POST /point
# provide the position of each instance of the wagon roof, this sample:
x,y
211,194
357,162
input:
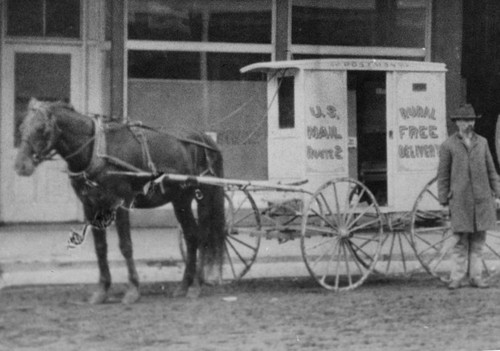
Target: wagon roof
x,y
347,64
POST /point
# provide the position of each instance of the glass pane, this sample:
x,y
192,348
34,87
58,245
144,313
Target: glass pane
x,y
286,102
226,66
43,76
243,21
63,18
409,30
164,65
41,18
25,17
189,66
388,23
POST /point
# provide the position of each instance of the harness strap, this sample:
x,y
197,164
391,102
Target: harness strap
x,y
99,148
190,141
145,150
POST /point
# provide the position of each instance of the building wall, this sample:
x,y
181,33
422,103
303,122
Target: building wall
x,y
447,48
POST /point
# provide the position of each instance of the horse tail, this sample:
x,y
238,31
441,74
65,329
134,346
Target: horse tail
x,y
217,232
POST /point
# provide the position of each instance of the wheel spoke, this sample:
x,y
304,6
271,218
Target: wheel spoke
x,y
348,273
326,220
231,264
242,259
337,206
365,225
320,257
352,209
361,215
355,257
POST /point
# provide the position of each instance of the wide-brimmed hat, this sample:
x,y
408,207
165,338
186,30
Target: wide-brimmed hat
x,y
465,112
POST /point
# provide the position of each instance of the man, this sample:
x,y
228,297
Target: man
x,y
467,182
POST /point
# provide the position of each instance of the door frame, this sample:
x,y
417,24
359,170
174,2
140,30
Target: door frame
x,y
7,110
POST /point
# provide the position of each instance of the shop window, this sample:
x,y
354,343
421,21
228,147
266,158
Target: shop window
x,y
384,23
43,18
232,21
286,102
178,65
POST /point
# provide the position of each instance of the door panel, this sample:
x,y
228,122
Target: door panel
x,y
47,73
417,117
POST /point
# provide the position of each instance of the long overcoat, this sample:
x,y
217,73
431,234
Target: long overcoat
x,y
468,182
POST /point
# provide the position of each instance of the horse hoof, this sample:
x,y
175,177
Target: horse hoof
x,y
98,297
194,292
131,296
180,292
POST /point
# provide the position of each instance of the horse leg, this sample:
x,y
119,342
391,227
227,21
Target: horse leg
x,y
190,284
101,249
122,223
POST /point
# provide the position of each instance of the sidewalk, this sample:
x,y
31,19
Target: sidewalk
x,y
38,254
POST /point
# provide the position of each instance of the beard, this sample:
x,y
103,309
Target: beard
x,y
469,129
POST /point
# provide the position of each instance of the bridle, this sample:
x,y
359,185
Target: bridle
x,y
47,152
52,129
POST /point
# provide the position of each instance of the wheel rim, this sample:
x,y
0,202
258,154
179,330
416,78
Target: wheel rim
x,y
340,245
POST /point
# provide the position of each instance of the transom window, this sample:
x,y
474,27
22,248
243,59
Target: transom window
x,y
43,18
373,23
235,21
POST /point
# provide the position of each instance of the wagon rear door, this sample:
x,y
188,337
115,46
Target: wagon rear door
x,y
416,123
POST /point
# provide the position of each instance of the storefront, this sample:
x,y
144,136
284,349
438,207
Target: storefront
x,y
181,69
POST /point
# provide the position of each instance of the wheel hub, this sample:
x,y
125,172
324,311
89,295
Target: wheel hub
x,y
343,232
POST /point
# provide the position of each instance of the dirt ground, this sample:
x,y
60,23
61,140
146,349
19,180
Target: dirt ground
x,y
265,314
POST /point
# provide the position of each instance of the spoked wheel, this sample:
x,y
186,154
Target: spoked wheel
x,y
242,239
433,240
341,241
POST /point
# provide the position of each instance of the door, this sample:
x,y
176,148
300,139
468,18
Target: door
x,y
326,134
47,73
417,127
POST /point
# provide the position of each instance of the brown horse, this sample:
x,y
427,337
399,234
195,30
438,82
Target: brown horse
x,y
96,152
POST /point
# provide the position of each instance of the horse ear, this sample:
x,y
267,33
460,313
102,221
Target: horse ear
x,y
68,103
33,102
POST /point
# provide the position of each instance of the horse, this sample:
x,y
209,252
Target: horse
x,y
100,157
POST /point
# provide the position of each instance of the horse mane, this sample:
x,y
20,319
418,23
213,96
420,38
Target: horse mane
x,y
62,104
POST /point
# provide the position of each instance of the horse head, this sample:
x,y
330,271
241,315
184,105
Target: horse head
x,y
39,135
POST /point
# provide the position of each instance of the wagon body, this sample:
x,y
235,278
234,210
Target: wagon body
x,y
377,121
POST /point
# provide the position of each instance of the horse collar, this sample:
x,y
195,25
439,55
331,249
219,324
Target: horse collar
x,y
98,149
